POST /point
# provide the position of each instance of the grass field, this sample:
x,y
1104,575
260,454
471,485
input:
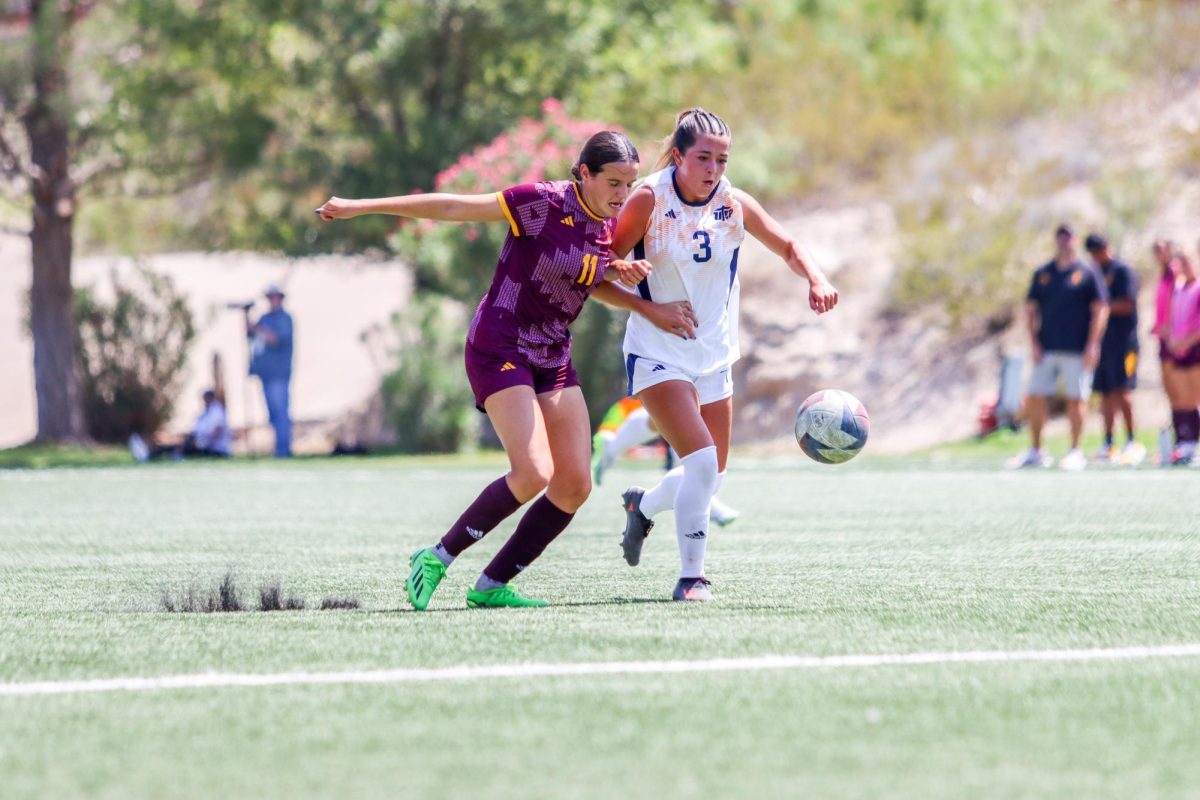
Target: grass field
x,y
862,559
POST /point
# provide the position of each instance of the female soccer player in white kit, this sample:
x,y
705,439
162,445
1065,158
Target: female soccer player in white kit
x,y
689,223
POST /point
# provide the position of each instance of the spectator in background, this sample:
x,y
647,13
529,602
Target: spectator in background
x,y
1066,310
1116,371
210,436
271,361
1183,349
1168,262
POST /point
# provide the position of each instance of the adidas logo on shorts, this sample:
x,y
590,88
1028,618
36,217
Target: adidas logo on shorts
x,y
507,366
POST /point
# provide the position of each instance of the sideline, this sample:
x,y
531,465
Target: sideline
x,y
550,670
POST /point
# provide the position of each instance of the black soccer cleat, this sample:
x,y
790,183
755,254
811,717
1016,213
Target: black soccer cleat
x,y
637,525
693,590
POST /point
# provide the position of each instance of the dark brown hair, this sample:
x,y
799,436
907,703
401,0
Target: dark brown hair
x,y
605,147
689,125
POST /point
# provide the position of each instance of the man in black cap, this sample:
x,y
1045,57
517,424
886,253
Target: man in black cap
x,y
1066,309
1116,371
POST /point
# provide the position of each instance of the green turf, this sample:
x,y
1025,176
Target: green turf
x,y
854,559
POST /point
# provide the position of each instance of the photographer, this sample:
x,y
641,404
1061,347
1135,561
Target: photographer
x,y
271,360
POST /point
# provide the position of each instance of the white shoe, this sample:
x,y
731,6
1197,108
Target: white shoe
x,y
139,448
1073,461
1030,458
720,513
1132,454
1107,454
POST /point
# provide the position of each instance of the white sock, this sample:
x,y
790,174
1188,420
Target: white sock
x,y
700,478
717,508
634,430
662,496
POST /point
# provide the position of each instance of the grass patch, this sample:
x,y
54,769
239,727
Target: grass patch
x,y
45,455
226,597
866,559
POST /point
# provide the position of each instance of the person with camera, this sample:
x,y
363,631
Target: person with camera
x,y
271,360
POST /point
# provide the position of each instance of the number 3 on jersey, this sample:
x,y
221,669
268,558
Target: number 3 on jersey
x,y
705,247
588,273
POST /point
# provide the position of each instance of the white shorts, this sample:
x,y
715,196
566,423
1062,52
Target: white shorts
x,y
645,372
1077,381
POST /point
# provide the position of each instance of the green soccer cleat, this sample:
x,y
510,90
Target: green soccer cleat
x,y
427,572
501,597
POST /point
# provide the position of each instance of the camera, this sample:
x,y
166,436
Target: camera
x,y
240,306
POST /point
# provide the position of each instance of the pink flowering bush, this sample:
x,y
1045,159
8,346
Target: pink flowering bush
x,y
459,259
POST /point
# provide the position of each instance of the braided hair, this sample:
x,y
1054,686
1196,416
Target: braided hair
x,y
689,126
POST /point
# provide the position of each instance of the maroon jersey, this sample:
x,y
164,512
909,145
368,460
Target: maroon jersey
x,y
555,254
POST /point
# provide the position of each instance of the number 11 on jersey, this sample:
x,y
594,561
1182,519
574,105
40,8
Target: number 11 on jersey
x,y
588,273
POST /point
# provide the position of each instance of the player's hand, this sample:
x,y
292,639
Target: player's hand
x,y
822,296
1091,356
631,273
677,318
338,208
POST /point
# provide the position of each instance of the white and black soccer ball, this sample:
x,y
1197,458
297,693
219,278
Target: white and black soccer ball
x,y
832,426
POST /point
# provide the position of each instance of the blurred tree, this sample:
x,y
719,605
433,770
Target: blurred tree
x,y
35,94
274,105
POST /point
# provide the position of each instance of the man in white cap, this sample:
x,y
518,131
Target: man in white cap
x,y
271,361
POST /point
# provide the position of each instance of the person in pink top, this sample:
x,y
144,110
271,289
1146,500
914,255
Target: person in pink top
x,y
1182,330
1164,254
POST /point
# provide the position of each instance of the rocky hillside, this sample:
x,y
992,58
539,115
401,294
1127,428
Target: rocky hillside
x,y
920,377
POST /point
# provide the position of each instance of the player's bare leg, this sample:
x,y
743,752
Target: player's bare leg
x,y
564,425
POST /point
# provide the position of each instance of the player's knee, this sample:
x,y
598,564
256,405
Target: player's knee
x,y
701,470
572,486
527,481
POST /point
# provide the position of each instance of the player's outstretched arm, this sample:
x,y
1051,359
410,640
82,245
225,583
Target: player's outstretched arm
x,y
822,296
439,206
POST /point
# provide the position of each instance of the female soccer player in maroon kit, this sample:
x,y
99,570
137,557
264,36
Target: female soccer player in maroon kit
x,y
518,353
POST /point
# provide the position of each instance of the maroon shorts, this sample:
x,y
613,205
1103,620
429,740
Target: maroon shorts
x,y
1189,359
489,374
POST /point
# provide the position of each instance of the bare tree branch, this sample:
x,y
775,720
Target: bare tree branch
x,y
97,169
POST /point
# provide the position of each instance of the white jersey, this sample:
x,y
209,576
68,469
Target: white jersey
x,y
693,248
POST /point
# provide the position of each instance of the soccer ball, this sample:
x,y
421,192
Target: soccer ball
x,y
832,426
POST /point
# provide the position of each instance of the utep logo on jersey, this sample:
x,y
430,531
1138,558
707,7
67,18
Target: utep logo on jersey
x,y
723,213
1077,277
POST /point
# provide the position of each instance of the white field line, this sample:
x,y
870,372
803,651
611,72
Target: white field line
x,y
535,670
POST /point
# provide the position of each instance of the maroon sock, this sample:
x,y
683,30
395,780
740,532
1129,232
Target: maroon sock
x,y
1187,425
494,504
542,523
1193,425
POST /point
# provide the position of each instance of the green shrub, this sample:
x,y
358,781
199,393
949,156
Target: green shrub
x,y
427,399
132,352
